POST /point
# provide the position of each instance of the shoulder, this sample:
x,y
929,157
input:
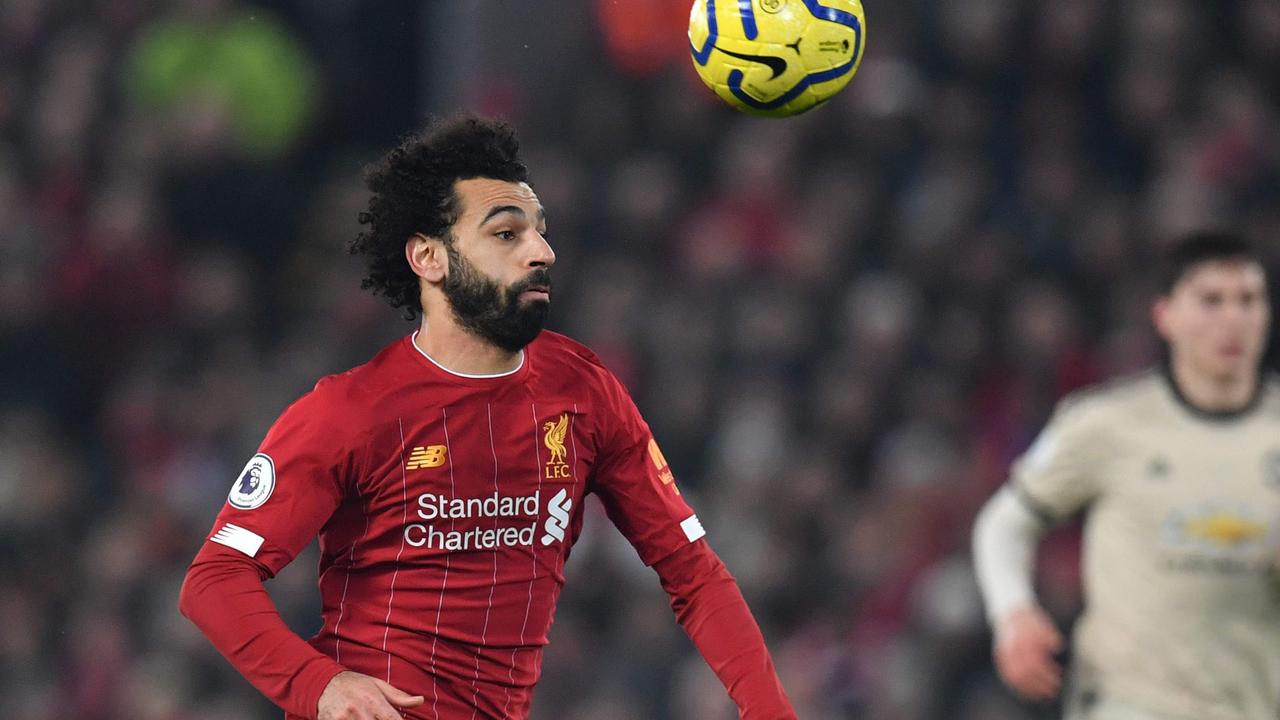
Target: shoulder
x,y
566,365
1113,398
570,358
555,345
344,393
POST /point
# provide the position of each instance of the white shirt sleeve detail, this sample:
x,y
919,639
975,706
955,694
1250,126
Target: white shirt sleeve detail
x,y
238,538
692,528
1005,537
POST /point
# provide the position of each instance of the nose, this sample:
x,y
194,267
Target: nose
x,y
543,255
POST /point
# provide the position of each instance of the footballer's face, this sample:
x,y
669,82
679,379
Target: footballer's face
x,y
1216,319
499,279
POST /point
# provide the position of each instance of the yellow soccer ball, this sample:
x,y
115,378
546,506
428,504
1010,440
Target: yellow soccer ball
x,y
777,57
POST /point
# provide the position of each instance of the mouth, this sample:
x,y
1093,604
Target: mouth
x,y
536,292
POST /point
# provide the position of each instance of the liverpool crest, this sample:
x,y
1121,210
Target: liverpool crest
x,y
556,432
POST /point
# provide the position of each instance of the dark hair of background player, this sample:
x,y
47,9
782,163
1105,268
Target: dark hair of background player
x,y
1201,247
412,188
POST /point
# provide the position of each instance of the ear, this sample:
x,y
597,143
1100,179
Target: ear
x,y
1161,316
427,257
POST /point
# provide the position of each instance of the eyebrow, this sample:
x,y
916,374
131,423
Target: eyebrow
x,y
514,210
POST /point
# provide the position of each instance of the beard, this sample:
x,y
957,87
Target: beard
x,y
486,309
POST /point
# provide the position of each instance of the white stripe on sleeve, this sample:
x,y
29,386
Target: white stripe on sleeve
x,y
237,538
692,528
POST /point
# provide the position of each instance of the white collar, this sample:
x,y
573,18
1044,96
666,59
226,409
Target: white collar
x,y
413,341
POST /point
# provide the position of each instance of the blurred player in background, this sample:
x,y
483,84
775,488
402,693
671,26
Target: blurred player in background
x,y
1179,469
446,477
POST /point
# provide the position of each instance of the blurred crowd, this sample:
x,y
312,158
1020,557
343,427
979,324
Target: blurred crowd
x,y
841,327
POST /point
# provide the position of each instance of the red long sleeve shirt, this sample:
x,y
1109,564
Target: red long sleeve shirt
x,y
446,506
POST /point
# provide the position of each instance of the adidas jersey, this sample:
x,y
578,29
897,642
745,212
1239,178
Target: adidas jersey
x,y
1182,535
446,506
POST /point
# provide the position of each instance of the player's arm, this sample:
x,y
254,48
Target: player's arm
x,y
278,503
1005,537
1053,480
712,611
640,496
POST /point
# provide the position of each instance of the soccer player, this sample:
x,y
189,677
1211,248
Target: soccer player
x,y
1179,471
446,477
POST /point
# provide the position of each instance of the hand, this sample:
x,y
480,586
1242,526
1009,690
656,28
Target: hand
x,y
1026,641
352,696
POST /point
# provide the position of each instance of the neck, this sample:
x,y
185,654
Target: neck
x,y
452,347
1213,394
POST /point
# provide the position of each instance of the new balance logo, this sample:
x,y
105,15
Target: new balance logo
x,y
558,508
426,457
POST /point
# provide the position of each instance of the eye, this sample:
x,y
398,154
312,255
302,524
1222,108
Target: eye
x,y
506,234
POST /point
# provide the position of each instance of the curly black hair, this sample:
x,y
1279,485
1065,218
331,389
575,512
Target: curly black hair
x,y
413,192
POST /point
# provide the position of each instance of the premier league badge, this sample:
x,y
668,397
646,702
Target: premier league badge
x,y
255,483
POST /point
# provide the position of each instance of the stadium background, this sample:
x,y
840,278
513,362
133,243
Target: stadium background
x,y
841,327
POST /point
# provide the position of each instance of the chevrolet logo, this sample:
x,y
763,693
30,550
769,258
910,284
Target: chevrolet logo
x,y
1225,529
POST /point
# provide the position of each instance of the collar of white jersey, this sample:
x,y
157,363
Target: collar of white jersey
x,y
413,340
1255,399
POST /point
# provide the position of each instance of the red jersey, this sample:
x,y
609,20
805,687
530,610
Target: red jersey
x,y
446,506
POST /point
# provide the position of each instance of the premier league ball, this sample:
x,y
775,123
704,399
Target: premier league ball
x,y
776,57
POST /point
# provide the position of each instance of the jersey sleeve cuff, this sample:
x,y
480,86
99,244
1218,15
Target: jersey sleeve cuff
x,y
310,683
